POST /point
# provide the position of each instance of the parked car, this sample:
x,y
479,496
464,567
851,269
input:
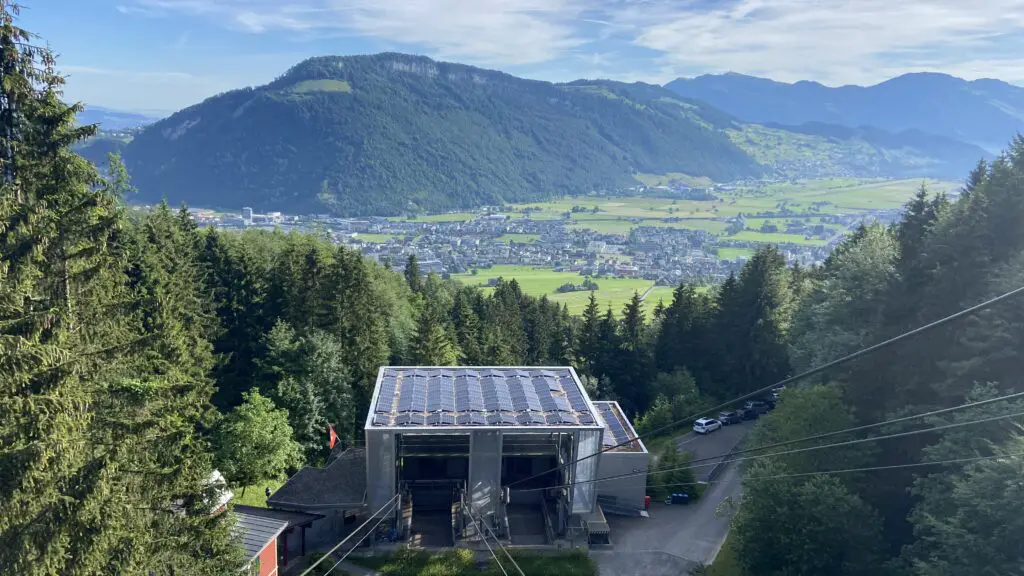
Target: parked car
x,y
769,401
776,392
727,418
706,425
757,406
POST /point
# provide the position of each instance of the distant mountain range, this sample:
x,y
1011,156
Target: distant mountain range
x,y
114,119
388,133
986,113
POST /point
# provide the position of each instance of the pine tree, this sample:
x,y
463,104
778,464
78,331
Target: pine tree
x,y
467,331
412,274
101,403
432,346
588,343
56,231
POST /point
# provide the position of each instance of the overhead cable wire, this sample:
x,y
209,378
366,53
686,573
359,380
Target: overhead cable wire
x,y
483,537
345,555
856,470
795,451
863,427
503,549
351,534
810,372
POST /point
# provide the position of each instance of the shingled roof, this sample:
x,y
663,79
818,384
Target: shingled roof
x,y
256,531
341,484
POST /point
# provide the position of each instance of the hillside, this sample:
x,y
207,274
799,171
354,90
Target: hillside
x,y
391,133
385,133
986,113
817,150
813,150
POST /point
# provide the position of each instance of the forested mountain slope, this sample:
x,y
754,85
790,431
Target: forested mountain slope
x,y
390,133
374,134
813,149
987,113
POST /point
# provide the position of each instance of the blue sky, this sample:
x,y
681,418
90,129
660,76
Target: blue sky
x,y
162,55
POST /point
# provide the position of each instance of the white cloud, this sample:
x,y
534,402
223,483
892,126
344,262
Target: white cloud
x,y
832,41
497,32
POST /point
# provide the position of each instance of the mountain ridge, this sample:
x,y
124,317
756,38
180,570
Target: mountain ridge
x,y
389,133
988,112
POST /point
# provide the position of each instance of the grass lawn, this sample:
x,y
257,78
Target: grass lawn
x,y
730,254
663,293
613,226
453,217
255,495
321,86
540,281
776,238
519,238
726,563
374,238
462,563
665,179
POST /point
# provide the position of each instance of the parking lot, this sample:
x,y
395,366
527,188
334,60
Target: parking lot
x,y
720,441
675,538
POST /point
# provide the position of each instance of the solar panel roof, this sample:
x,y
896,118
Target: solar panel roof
x,y
617,429
513,396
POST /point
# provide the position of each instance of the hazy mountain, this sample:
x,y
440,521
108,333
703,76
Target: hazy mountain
x,y
385,133
814,149
114,119
987,113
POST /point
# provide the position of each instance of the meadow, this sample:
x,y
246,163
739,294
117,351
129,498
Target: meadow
x,y
814,198
614,292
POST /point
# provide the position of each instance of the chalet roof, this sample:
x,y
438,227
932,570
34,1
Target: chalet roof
x,y
256,531
340,484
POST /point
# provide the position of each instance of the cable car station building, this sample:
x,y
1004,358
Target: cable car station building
x,y
469,450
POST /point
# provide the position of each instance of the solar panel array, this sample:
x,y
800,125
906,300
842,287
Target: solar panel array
x,y
480,397
615,431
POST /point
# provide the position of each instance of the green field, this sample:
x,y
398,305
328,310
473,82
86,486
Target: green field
x,y
321,86
538,281
374,238
726,253
665,179
775,238
616,215
453,217
518,238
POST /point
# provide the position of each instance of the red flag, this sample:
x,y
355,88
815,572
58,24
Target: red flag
x,y
334,436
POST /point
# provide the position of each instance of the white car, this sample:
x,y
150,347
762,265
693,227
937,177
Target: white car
x,y
706,425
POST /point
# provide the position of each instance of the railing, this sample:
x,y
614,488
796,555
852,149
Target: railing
x,y
722,463
549,530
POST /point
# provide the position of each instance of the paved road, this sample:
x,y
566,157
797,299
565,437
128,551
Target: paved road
x,y
677,538
719,442
674,538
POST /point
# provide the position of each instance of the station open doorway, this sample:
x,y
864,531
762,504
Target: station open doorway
x,y
432,471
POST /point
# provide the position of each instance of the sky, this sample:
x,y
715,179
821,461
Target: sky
x,y
162,55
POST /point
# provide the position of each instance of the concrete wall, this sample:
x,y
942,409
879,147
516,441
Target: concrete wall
x,y
380,468
629,491
326,531
485,471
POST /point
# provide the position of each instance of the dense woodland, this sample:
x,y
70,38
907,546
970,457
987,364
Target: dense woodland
x,y
138,353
